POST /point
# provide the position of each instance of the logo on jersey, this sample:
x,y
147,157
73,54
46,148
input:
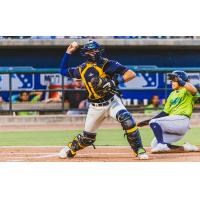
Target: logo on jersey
x,y
176,101
91,74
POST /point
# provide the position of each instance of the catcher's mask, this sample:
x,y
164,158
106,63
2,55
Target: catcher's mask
x,y
181,74
92,51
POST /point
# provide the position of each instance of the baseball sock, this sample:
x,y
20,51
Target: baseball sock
x,y
157,130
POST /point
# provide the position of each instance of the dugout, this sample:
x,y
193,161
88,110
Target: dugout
x,y
45,53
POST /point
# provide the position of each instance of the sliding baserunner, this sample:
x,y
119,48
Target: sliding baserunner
x,y
173,122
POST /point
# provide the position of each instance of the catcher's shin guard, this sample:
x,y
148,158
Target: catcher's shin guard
x,y
135,141
80,142
131,131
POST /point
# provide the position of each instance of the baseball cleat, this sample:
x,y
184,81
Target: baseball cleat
x,y
160,148
189,147
142,155
66,152
63,152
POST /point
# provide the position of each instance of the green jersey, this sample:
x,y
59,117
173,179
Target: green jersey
x,y
180,102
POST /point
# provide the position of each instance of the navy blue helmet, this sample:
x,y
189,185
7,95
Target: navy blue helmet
x,y
181,74
96,49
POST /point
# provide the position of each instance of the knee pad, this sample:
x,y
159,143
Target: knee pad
x,y
126,120
82,140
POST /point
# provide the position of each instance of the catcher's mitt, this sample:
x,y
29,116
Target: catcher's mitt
x,y
103,85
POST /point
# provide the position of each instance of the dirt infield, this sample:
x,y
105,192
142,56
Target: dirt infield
x,y
101,154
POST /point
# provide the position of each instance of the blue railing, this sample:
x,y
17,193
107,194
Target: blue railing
x,y
28,70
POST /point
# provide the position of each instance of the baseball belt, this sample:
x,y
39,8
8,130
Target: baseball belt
x,y
106,103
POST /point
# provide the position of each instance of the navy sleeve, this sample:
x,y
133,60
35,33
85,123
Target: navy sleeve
x,y
113,67
64,64
65,70
162,114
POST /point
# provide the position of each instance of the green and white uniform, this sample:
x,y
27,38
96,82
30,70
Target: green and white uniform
x,y
179,106
180,102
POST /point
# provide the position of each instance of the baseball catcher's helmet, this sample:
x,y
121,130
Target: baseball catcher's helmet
x,y
96,55
180,74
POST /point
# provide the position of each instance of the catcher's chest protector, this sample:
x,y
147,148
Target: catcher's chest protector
x,y
89,71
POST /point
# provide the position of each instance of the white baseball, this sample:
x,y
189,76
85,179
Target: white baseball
x,y
74,44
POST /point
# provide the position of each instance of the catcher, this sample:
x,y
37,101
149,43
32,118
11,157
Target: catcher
x,y
173,122
101,78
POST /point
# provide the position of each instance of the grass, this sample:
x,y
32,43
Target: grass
x,y
105,137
